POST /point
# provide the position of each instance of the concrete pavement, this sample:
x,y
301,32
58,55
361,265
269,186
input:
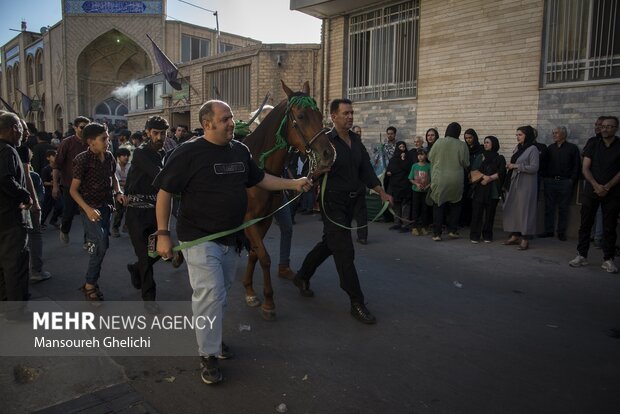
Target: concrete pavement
x,y
462,328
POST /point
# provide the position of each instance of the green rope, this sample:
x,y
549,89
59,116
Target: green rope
x,y
302,101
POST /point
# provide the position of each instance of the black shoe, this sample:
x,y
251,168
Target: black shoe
x,y
152,307
303,286
135,276
211,373
226,353
362,314
562,237
544,235
395,227
362,241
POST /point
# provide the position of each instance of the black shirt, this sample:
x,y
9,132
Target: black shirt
x,y
145,165
13,190
212,180
352,165
605,164
563,161
95,175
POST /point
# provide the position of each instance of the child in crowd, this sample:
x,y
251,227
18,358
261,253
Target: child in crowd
x,y
50,202
122,169
420,178
94,188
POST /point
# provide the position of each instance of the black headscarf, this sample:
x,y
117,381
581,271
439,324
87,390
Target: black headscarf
x,y
430,144
491,155
475,148
530,137
453,130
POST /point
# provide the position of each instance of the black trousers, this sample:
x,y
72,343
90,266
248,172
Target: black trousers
x,y
611,208
119,212
336,241
140,223
360,215
454,213
70,209
50,203
558,194
482,219
14,257
419,215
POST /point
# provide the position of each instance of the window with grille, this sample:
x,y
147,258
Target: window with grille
x,y
382,52
582,40
193,48
230,85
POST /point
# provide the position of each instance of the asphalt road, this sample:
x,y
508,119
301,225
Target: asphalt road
x,y
462,328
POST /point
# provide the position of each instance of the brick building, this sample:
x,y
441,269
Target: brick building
x,y
490,65
73,67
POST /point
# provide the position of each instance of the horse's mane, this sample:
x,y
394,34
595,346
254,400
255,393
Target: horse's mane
x,y
261,140
264,136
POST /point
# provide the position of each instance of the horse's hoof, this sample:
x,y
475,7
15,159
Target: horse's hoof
x,y
252,301
268,314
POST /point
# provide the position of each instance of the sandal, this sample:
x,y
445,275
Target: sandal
x,y
511,241
524,245
92,294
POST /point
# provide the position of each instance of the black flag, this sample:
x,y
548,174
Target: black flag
x,y
170,71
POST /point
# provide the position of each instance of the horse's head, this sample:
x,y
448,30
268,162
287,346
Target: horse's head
x,y
304,130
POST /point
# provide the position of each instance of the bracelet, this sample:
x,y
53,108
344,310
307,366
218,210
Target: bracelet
x,y
162,233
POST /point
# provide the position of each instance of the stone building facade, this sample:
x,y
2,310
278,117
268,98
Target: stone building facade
x,y
72,67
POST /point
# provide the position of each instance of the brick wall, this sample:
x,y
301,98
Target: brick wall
x,y
479,65
576,108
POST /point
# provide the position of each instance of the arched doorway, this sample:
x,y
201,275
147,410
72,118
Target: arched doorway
x,y
59,122
112,112
105,64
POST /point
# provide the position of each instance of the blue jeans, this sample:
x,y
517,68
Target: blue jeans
x,y
211,268
97,236
285,222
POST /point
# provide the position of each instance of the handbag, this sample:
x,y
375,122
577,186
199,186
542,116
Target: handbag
x,y
475,176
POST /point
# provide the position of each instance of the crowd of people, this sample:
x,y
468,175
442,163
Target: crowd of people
x,y
451,184
440,186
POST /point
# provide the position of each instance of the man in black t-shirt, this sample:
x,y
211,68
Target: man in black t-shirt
x,y
211,173
142,195
15,201
601,169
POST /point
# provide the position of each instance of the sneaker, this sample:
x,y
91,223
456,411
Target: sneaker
x,y
423,231
151,307
115,232
226,353
436,238
415,231
454,235
211,373
475,241
609,266
64,237
40,276
488,241
578,261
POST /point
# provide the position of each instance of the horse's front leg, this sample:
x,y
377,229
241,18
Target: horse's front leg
x,y
250,296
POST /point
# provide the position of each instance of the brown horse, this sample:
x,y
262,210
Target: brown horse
x,y
294,122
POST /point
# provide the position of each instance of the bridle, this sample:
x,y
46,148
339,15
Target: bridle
x,y
310,151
